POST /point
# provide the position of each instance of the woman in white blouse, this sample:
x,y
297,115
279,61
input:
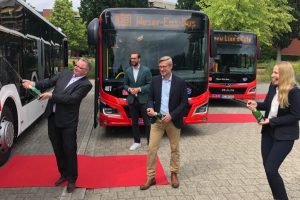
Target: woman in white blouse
x,y
280,128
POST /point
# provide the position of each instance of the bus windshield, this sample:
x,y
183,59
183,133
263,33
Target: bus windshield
x,y
153,45
188,49
236,58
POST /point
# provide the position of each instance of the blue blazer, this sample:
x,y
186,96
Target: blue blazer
x,y
286,125
178,100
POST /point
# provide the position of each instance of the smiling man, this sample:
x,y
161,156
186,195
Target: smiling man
x,y
62,110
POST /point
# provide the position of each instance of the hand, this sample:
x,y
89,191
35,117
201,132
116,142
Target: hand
x,y
251,105
132,91
166,118
151,112
45,95
27,84
135,90
265,121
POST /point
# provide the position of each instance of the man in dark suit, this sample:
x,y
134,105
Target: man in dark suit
x,y
63,112
167,102
137,81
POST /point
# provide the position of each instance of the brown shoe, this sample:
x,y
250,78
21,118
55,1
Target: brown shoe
x,y
148,184
174,180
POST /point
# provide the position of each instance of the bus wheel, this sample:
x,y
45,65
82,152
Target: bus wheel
x,y
6,134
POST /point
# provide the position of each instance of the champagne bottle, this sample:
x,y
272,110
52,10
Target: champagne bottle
x,y
35,92
159,116
258,115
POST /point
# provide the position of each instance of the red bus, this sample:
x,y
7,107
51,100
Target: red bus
x,y
183,35
232,72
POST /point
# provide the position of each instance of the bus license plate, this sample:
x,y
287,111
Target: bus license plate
x,y
227,96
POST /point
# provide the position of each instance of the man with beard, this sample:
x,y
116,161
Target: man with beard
x,y
137,81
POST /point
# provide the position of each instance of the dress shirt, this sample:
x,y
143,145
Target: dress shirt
x,y
136,72
165,95
274,106
73,79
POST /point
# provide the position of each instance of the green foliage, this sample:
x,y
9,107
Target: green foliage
x,y
90,9
64,17
189,5
263,17
284,39
267,53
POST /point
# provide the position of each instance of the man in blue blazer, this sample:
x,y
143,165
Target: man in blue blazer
x,y
167,103
62,110
137,81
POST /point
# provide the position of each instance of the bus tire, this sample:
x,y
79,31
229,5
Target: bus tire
x,y
6,134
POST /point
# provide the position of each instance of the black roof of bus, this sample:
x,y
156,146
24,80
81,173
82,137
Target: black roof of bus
x,y
32,10
152,10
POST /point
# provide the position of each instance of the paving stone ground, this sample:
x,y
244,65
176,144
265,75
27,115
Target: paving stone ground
x,y
218,160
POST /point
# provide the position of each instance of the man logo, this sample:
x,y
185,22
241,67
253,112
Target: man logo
x,y
189,91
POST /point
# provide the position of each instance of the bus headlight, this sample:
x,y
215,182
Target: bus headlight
x,y
252,90
201,109
109,111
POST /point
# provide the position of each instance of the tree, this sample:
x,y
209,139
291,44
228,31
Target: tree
x,y
64,17
262,17
283,40
189,4
89,9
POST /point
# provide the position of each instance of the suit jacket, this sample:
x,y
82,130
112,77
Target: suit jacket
x,y
67,100
143,81
286,125
178,100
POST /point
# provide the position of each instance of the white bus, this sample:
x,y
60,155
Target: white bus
x,y
31,48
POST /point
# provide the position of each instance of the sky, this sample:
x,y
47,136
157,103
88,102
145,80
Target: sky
x,y
48,4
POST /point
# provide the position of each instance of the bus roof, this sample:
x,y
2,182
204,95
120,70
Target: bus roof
x,y
32,10
151,10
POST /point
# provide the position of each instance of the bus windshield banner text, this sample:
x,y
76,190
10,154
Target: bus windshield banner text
x,y
142,21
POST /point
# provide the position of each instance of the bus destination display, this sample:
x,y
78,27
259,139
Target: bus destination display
x,y
175,22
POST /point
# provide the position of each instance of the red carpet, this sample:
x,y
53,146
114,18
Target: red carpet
x,y
94,172
230,118
260,96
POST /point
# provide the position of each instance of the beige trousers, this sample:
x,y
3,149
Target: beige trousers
x,y
157,131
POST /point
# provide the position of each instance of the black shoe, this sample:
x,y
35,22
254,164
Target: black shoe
x,y
60,181
71,187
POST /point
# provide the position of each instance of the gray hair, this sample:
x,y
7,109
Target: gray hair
x,y
166,58
87,62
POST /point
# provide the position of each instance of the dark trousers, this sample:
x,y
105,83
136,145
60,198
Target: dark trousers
x,y
273,153
64,143
136,108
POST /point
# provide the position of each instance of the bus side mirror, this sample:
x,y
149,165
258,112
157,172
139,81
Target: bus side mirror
x,y
93,32
213,44
65,52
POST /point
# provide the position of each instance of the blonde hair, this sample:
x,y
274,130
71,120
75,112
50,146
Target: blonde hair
x,y
285,83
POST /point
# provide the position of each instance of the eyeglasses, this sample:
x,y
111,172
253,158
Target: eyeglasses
x,y
82,68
